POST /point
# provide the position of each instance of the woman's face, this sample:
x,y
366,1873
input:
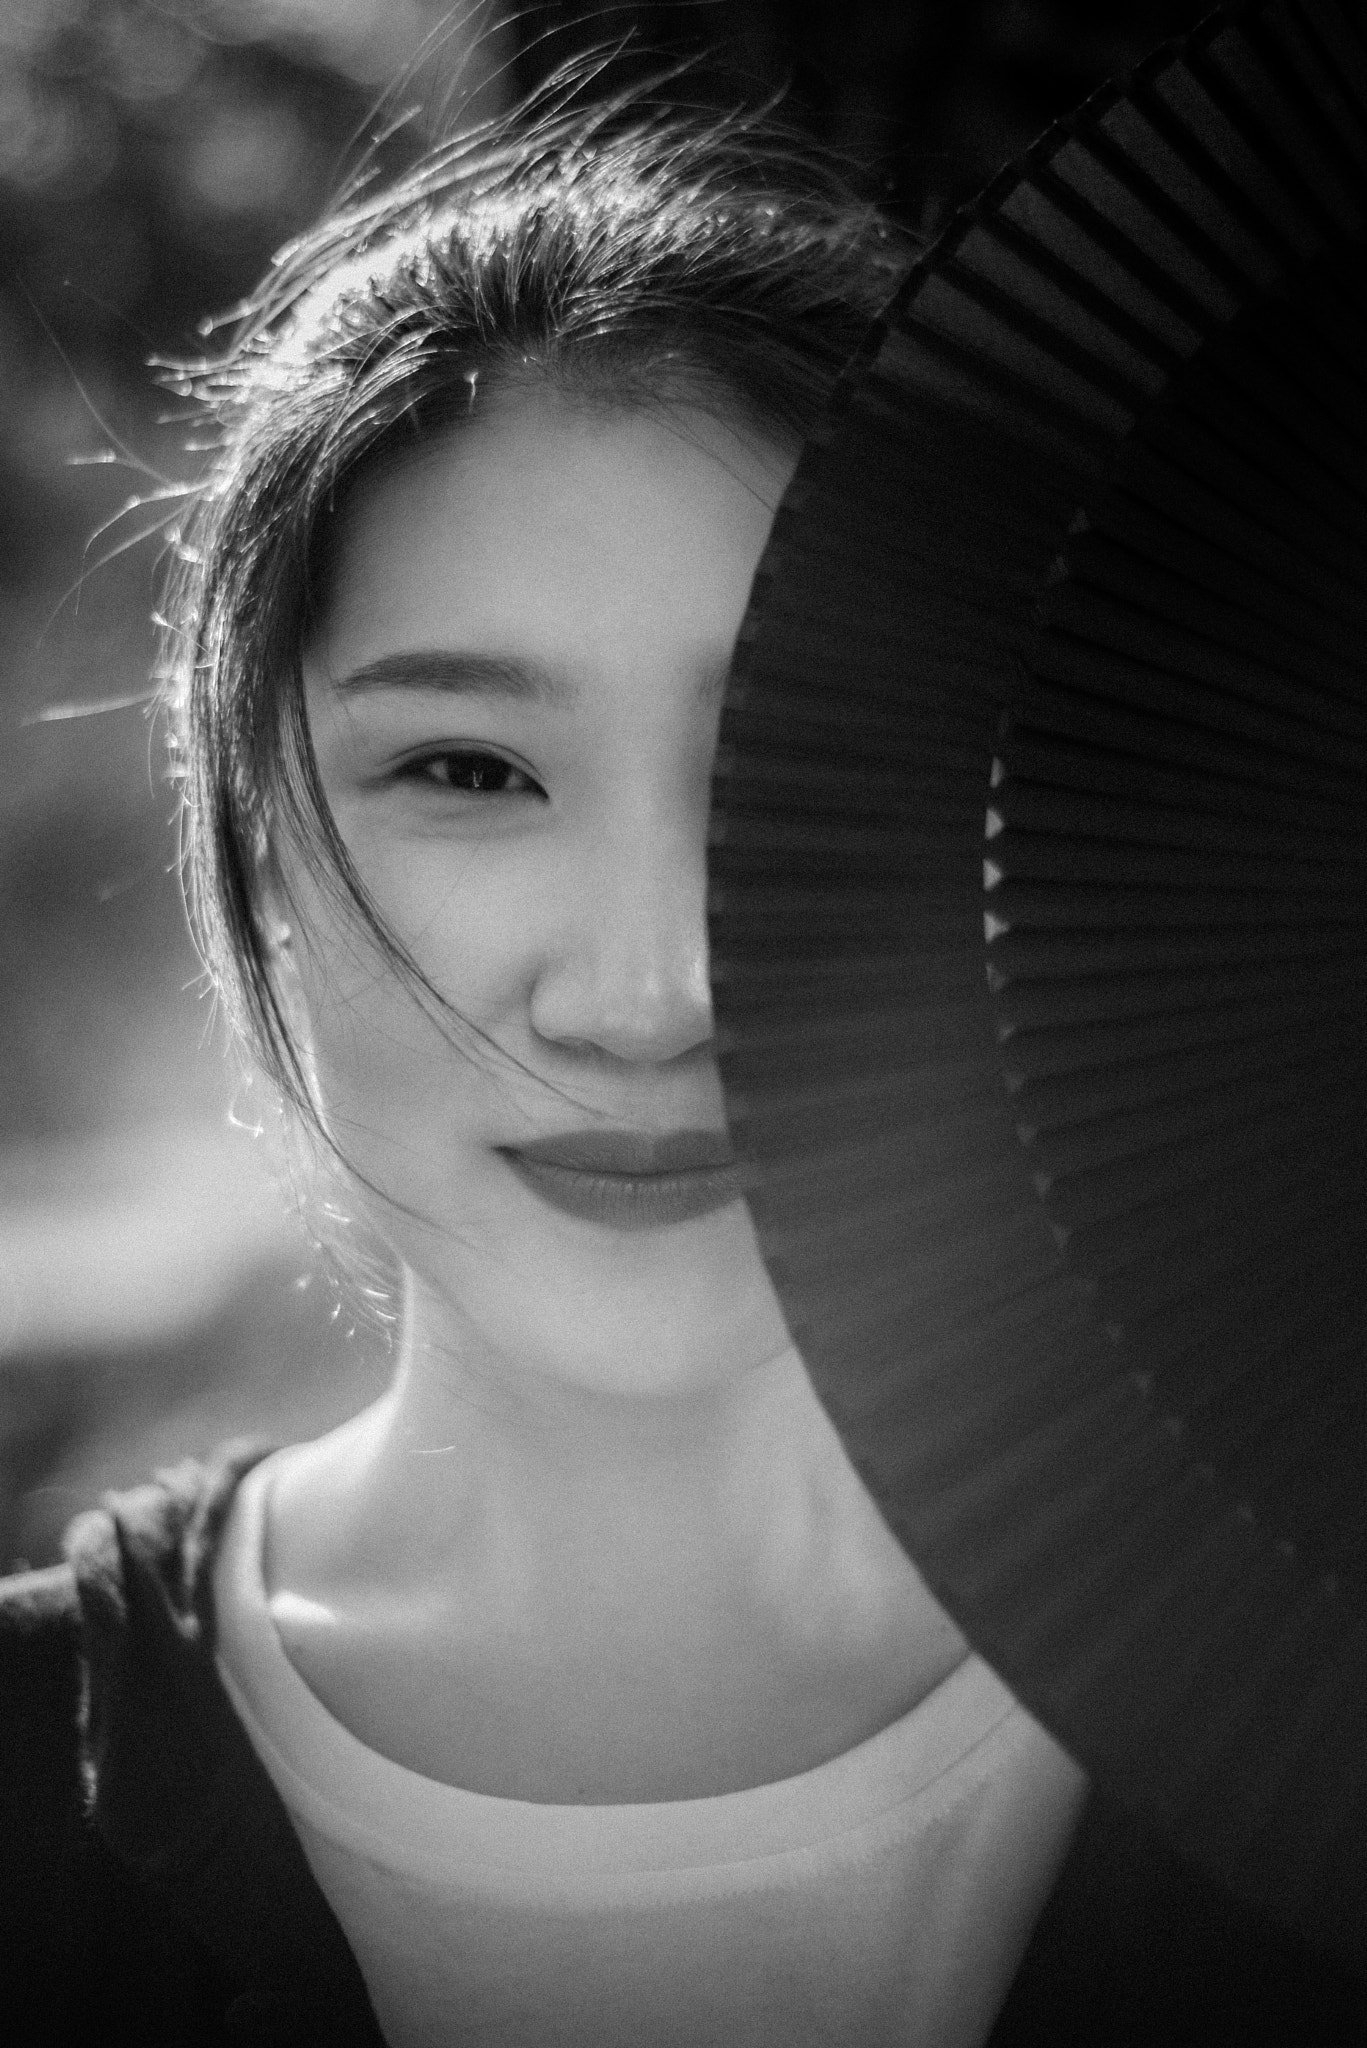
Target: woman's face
x,y
514,695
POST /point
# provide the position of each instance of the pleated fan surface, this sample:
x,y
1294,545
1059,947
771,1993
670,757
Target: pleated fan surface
x,y
1039,938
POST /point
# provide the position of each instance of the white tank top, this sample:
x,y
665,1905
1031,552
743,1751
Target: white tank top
x,y
885,1897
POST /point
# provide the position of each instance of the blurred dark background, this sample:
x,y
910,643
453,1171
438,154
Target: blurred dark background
x,y
156,1292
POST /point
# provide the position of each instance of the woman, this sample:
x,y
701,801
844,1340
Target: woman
x,y
576,1691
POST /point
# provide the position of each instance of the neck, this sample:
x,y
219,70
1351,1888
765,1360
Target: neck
x,y
662,1573
472,1452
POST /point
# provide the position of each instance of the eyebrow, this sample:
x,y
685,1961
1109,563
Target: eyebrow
x,y
455,673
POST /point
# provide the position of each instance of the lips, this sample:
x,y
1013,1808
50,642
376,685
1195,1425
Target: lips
x,y
631,1152
630,1180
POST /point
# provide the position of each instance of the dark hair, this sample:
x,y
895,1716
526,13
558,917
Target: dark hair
x,y
627,253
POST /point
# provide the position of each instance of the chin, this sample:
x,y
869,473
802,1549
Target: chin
x,y
643,1313
630,1325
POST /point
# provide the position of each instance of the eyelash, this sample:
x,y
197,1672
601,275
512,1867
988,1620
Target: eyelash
x,y
418,771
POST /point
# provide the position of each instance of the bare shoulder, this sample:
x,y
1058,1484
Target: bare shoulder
x,y
315,1542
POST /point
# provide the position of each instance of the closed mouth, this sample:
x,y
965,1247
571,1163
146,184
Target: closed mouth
x,y
632,1153
630,1180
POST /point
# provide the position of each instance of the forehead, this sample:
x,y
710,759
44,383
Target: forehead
x,y
548,530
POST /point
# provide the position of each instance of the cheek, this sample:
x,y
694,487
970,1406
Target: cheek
x,y
380,1048
465,911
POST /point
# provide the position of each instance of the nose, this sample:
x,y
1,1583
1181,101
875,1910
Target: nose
x,y
626,971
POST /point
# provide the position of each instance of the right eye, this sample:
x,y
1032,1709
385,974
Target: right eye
x,y
469,772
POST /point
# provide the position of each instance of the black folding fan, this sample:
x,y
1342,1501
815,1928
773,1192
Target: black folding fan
x,y
1039,938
